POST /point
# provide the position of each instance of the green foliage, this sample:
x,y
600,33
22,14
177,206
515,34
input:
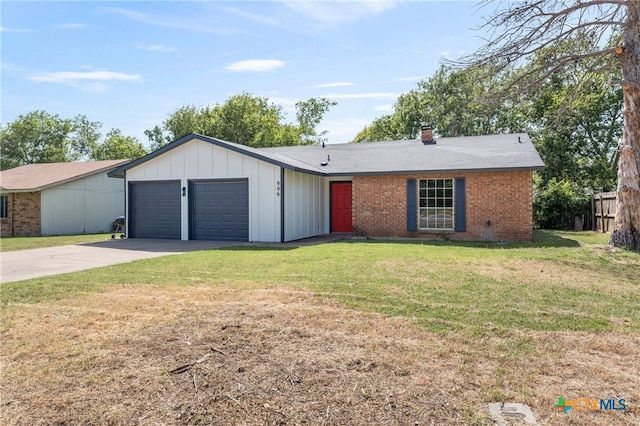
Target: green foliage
x,y
455,102
558,203
577,125
39,137
380,129
116,146
309,114
244,119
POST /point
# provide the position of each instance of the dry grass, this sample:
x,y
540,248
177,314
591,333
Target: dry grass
x,y
282,356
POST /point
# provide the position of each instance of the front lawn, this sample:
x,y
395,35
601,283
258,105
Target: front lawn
x,y
27,243
353,332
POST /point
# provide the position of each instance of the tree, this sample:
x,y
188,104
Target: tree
x,y
454,102
519,30
576,132
557,204
39,137
309,114
249,120
185,120
244,119
116,146
381,129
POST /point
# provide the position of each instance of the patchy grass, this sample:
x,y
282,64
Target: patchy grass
x,y
343,333
566,284
27,243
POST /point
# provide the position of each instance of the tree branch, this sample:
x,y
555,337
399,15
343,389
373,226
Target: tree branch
x,y
525,29
626,84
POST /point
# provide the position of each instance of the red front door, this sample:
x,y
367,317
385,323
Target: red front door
x,y
341,207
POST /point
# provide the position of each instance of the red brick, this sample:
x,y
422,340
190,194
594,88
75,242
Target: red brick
x,y
23,211
506,199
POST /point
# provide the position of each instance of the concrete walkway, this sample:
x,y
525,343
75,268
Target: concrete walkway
x,y
27,264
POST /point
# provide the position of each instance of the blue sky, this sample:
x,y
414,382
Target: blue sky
x,y
129,65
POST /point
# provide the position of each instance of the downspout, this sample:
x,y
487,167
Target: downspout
x,y
13,214
40,206
127,216
282,204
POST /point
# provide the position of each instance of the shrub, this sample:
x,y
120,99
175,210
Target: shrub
x,y
557,205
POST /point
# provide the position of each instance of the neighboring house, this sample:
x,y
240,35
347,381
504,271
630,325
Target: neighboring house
x,y
60,198
198,187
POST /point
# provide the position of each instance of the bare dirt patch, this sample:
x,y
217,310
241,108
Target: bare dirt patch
x,y
203,355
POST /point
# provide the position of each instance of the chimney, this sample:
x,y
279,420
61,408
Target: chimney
x,y
427,134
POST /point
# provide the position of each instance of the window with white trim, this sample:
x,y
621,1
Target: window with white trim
x,y
436,204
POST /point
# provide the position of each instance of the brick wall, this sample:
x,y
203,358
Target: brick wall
x,y
499,207
23,211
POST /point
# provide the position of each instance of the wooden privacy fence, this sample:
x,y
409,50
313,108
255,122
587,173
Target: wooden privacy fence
x,y
603,211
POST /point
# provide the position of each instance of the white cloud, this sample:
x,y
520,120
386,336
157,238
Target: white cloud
x,y
343,130
188,23
287,103
254,65
70,77
458,54
15,30
156,47
11,67
333,13
259,19
370,95
384,108
71,26
95,87
336,84
412,78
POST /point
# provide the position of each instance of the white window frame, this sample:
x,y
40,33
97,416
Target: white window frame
x,y
436,204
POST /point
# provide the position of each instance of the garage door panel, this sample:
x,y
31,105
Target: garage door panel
x,y
219,210
155,210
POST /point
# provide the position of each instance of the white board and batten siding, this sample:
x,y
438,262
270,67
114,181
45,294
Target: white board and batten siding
x,y
197,159
86,205
303,205
307,204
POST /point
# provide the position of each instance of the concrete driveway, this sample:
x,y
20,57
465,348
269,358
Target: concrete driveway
x,y
27,264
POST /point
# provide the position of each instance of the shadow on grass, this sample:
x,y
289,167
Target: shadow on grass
x,y
257,248
544,238
541,239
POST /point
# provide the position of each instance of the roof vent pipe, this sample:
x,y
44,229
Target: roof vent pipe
x,y
426,131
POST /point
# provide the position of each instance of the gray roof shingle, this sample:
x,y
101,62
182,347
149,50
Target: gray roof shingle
x,y
457,155
466,154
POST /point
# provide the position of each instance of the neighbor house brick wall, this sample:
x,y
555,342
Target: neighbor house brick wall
x,y
504,199
23,211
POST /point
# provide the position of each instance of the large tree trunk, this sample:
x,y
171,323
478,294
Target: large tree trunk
x,y
627,226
